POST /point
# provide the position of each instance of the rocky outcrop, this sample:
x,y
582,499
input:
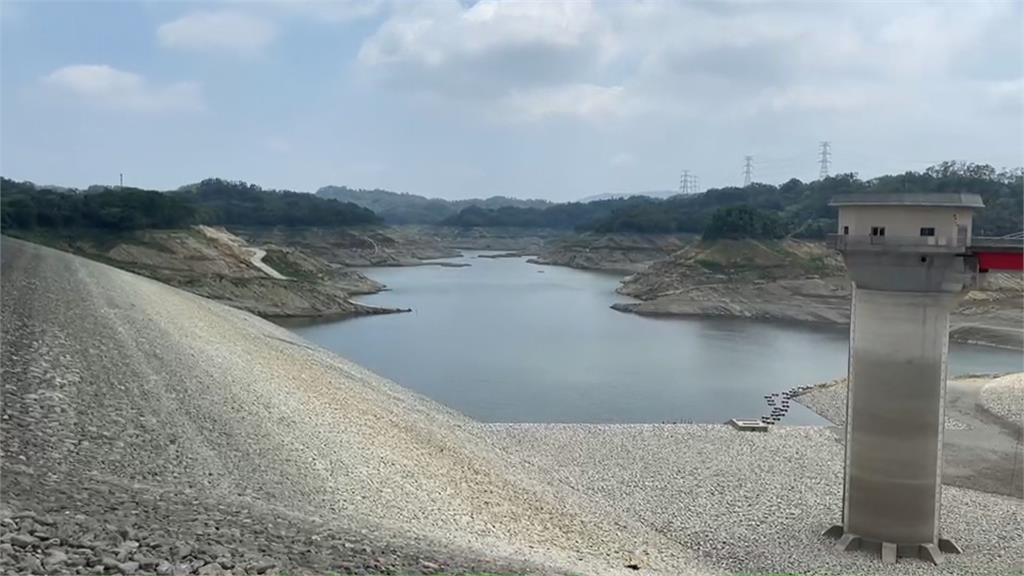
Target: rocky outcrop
x,y
355,247
409,245
625,253
268,280
785,280
797,280
807,300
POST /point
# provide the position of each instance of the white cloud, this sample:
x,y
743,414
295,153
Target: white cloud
x,y
584,101
1005,95
332,11
489,49
622,159
278,145
224,31
109,87
538,60
435,33
824,98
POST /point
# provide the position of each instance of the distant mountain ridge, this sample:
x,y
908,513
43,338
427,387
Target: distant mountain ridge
x,y
405,208
623,195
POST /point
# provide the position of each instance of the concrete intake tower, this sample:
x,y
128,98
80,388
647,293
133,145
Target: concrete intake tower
x,y
909,260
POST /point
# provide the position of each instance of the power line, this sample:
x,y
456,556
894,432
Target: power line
x,y
826,159
748,169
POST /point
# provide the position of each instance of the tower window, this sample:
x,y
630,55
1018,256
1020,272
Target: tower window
x,y
846,230
878,230
927,231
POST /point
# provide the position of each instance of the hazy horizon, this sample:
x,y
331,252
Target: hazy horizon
x,y
554,100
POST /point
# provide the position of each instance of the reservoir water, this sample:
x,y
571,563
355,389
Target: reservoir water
x,y
503,340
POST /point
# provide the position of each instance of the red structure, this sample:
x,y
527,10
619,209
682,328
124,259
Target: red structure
x,y
998,254
1000,261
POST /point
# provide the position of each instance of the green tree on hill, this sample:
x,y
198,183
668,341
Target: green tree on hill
x,y
24,205
801,208
738,222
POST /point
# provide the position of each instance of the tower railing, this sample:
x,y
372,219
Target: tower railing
x,y
844,242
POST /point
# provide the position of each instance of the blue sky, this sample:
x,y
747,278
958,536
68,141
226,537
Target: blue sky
x,y
553,99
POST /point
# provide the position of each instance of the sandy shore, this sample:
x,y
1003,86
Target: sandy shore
x,y
146,426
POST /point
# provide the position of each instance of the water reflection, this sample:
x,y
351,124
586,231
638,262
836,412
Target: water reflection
x,y
500,342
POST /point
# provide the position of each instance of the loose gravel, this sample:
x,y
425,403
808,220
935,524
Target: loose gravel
x,y
1004,397
750,502
827,400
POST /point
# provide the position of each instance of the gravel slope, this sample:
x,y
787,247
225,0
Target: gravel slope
x,y
1005,397
136,405
751,503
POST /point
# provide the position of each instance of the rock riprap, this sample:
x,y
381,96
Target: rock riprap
x,y
1004,397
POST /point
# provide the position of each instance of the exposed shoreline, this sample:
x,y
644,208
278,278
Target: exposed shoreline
x,y
312,274
966,333
790,280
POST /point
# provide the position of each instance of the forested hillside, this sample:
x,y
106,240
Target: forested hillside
x,y
24,205
396,208
578,215
794,208
237,203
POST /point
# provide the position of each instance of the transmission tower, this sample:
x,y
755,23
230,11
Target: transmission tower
x,y
748,169
825,160
687,183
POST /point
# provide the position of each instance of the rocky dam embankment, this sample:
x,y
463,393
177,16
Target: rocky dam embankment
x,y
144,425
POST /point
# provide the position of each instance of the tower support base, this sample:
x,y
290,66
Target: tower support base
x,y
891,551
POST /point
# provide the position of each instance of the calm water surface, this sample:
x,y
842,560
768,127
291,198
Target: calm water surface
x,y
507,341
